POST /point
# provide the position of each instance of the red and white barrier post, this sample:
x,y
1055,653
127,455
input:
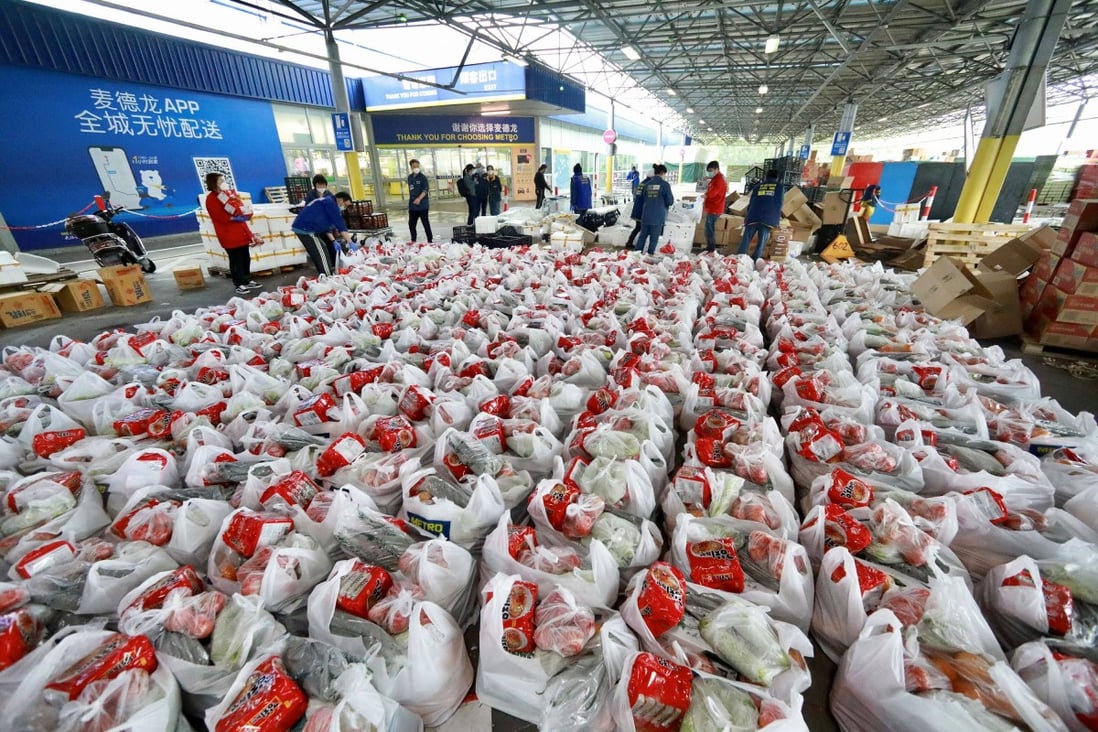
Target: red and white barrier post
x,y
928,202
1029,205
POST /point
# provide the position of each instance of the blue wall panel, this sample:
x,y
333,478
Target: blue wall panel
x,y
896,181
545,85
36,36
138,141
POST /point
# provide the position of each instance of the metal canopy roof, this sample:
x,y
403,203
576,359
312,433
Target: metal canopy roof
x,y
906,63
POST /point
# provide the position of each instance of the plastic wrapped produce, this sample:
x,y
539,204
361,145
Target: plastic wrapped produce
x,y
1066,683
883,681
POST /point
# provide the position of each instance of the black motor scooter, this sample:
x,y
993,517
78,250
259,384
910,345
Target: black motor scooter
x,y
110,242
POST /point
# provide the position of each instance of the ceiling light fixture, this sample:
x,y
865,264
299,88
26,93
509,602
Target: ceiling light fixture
x,y
517,60
689,110
772,44
672,92
497,113
758,110
701,121
630,53
763,88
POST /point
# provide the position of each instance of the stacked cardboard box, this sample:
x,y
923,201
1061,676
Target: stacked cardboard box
x,y
1086,183
1060,298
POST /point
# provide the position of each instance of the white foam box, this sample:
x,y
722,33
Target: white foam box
x,y
614,236
282,222
259,225
218,259
486,224
11,272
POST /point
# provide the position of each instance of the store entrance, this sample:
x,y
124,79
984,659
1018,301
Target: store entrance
x,y
442,166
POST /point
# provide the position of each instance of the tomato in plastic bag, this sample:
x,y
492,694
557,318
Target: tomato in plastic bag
x,y
118,653
269,702
185,578
20,632
662,598
151,520
1059,602
659,693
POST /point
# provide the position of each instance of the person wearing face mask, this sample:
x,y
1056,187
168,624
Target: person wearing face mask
x,y
713,207
230,217
419,202
314,227
467,189
480,188
495,191
319,190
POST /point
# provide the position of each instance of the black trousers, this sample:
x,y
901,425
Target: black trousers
x,y
413,217
482,206
541,198
321,250
633,234
240,265
474,209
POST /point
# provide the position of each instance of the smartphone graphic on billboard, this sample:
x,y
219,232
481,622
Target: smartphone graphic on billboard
x,y
116,176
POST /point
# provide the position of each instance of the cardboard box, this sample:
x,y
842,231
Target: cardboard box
x,y
77,296
1064,335
1086,249
857,232
1082,309
24,308
1074,278
834,209
739,206
949,291
1005,319
1046,266
1082,216
189,278
1019,254
125,285
805,216
793,200
699,235
730,222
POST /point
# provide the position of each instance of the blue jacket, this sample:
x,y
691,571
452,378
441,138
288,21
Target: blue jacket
x,y
320,215
417,184
766,204
638,199
581,192
657,199
633,178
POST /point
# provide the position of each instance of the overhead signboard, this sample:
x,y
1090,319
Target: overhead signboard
x,y
426,130
341,123
492,82
841,143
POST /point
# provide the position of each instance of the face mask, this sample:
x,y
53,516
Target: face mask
x,y
223,185
710,173
321,191
415,171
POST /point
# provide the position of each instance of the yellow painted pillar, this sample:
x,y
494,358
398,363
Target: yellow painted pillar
x,y
354,176
835,178
976,183
609,187
1000,167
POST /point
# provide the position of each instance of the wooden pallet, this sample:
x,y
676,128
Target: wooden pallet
x,y
1031,347
276,194
35,281
969,243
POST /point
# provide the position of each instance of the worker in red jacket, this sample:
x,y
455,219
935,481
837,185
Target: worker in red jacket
x,y
230,215
715,194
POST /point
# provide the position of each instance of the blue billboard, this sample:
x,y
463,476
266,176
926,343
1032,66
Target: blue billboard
x,y
68,137
423,130
499,81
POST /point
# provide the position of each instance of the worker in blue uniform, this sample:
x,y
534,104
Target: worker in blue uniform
x,y
764,213
658,199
